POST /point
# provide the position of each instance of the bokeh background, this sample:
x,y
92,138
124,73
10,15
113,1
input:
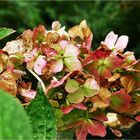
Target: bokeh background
x,y
123,17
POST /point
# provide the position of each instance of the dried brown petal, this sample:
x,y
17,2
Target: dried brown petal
x,y
8,83
128,83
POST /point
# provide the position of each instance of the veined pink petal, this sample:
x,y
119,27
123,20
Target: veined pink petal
x,y
110,40
40,64
71,50
57,66
63,44
80,106
30,94
121,42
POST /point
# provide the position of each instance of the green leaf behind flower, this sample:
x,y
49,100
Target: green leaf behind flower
x,y
4,32
42,117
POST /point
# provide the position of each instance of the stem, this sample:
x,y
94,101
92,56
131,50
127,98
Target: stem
x,y
38,78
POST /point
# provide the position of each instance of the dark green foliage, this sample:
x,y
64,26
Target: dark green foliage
x,y
42,117
4,32
14,122
102,16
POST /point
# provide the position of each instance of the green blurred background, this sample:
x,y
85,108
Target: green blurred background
x,y
102,16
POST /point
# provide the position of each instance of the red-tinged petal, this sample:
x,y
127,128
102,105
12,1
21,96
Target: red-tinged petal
x,y
57,66
67,109
71,50
137,118
29,94
38,33
99,115
49,52
87,43
63,44
89,59
56,83
80,106
116,62
120,101
121,43
100,54
40,64
110,40
96,129
81,133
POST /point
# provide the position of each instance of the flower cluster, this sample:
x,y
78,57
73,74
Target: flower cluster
x,y
89,89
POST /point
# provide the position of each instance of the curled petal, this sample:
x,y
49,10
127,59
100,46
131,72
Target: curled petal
x,y
40,64
56,25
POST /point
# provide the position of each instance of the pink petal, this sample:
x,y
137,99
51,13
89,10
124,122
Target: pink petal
x,y
30,94
110,40
80,106
57,66
63,43
67,109
71,50
137,118
121,42
40,64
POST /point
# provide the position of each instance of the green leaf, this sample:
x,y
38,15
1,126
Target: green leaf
x,y
4,32
65,135
71,86
42,117
76,97
14,122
